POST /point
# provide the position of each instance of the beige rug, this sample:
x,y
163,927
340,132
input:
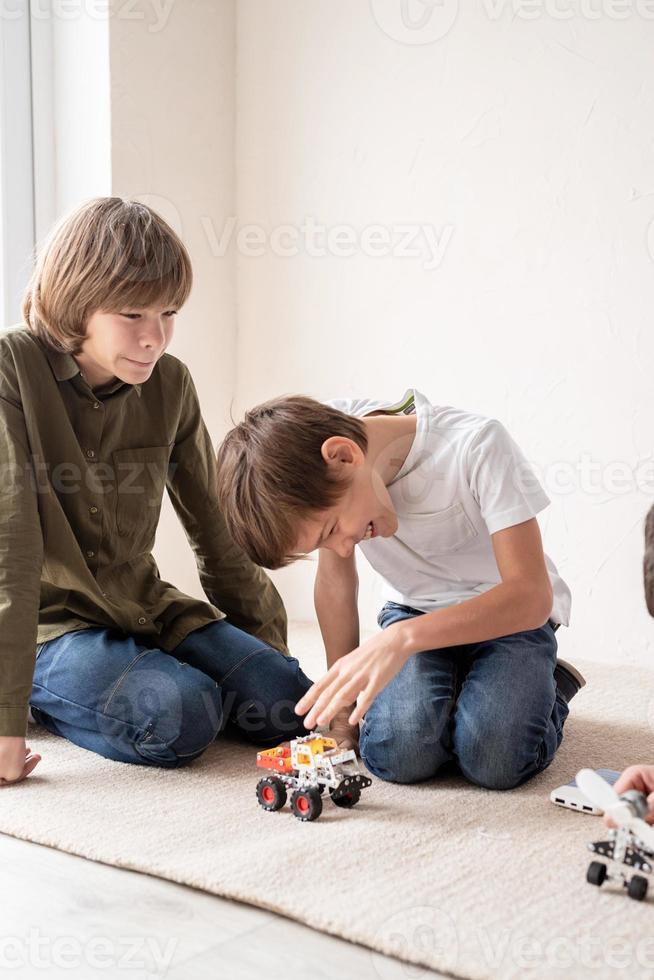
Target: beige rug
x,y
462,880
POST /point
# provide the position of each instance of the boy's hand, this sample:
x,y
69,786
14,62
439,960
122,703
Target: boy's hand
x,y
16,763
346,735
358,677
640,778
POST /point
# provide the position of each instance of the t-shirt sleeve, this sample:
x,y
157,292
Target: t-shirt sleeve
x,y
501,479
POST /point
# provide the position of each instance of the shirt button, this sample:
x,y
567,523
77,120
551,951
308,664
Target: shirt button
x,y
90,453
105,595
90,554
93,510
142,620
96,404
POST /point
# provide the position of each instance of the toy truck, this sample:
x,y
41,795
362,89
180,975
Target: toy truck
x,y
630,841
306,767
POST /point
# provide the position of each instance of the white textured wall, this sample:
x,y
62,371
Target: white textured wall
x,y
528,135
172,140
516,142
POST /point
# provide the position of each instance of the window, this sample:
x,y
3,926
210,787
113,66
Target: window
x,y
17,219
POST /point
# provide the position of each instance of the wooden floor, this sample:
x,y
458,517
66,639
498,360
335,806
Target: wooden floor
x,y
63,916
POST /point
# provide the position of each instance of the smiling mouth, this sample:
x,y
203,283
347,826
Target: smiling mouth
x,y
371,532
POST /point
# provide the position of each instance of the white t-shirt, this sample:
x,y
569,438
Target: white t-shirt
x,y
463,479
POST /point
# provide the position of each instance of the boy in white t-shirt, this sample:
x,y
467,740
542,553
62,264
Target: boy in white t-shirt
x,y
443,505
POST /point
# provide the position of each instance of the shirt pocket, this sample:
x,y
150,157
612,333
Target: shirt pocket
x,y
140,483
438,533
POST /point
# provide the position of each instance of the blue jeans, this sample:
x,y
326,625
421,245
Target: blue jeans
x,y
491,709
117,696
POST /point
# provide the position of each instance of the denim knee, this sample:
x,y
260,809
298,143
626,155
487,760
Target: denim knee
x,y
400,755
493,774
406,738
267,720
400,767
500,753
497,762
185,724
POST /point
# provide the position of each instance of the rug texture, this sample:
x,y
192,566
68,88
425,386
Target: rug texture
x,y
441,874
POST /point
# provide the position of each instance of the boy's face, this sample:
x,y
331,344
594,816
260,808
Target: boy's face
x,y
124,345
365,509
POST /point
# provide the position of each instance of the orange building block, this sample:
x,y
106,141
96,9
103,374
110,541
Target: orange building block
x,y
278,759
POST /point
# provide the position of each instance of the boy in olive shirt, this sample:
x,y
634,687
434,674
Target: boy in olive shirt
x,y
95,421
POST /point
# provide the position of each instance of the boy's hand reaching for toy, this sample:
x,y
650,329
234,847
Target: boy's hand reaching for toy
x,y
358,677
640,778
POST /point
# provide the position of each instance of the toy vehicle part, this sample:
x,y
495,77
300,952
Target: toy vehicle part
x,y
630,843
305,768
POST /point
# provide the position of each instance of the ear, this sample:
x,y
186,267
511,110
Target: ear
x,y
340,451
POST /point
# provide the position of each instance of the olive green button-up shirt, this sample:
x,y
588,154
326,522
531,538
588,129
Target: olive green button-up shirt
x,y
82,476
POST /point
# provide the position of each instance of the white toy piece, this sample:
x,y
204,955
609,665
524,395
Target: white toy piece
x,y
572,797
630,843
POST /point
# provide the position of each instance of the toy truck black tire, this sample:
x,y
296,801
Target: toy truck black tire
x,y
306,804
271,793
596,873
637,888
345,797
348,791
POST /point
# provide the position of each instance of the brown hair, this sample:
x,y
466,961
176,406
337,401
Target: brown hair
x,y
272,475
109,254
